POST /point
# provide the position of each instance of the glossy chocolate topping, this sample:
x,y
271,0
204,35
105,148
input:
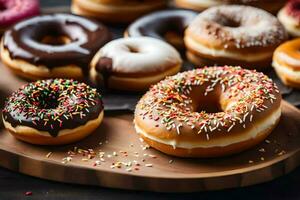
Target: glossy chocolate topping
x,y
104,67
53,105
84,37
157,24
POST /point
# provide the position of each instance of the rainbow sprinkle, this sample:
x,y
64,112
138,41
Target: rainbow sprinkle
x,y
52,105
170,102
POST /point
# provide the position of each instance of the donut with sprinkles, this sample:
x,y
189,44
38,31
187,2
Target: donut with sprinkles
x,y
53,112
208,112
234,35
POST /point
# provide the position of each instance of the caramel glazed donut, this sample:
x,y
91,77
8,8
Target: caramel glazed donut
x,y
115,10
168,25
53,112
200,5
289,16
243,107
52,46
133,64
236,35
286,62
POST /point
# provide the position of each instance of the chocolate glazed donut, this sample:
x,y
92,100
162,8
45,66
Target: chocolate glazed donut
x,y
168,25
53,105
56,40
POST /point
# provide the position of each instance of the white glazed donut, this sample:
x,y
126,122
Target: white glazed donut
x,y
134,63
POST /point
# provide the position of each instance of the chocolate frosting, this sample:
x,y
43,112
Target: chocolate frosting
x,y
23,40
157,24
53,105
104,67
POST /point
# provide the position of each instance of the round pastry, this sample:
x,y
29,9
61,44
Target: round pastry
x,y
53,112
168,25
12,11
235,35
117,11
133,64
208,112
199,5
286,61
50,46
289,16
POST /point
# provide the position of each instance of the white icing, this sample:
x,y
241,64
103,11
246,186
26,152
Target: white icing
x,y
251,57
252,133
152,55
290,24
292,74
288,59
255,27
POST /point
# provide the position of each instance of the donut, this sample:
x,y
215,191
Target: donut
x,y
53,112
289,16
286,62
208,112
133,64
12,11
200,5
168,25
116,11
52,46
235,35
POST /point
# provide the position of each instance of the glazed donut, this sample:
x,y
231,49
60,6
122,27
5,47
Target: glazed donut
x,y
168,25
289,16
235,35
208,112
12,11
53,112
200,5
117,11
286,62
51,46
133,64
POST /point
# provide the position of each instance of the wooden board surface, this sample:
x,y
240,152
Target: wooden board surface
x,y
150,169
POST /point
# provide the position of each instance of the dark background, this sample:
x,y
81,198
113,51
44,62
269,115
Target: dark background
x,y
13,186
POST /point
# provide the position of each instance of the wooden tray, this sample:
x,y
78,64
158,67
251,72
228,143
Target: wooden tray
x,y
128,163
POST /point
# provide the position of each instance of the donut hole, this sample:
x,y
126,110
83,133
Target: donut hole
x,y
56,40
133,49
51,104
45,100
208,106
229,22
